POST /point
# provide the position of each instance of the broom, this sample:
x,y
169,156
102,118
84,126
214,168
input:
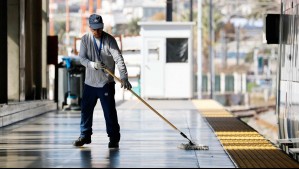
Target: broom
x,y
188,146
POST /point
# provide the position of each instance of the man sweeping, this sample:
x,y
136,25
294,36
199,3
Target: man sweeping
x,y
99,51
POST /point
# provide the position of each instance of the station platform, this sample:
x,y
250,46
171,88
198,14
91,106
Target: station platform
x,y
146,140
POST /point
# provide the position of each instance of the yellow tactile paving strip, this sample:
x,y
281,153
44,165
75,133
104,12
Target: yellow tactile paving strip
x,y
247,147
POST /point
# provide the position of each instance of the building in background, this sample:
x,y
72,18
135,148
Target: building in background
x,y
117,16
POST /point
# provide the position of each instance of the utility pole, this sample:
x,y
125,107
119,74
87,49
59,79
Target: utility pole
x,y
223,48
212,78
51,18
90,7
238,38
99,5
67,23
169,10
191,10
238,44
199,49
83,17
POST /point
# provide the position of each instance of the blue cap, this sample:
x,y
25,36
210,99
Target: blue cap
x,y
96,22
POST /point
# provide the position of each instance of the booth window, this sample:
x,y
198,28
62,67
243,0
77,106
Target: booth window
x,y
153,51
177,50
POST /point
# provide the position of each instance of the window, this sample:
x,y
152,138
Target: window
x,y
153,51
177,50
217,83
204,83
229,83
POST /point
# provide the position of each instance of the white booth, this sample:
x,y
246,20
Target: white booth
x,y
166,70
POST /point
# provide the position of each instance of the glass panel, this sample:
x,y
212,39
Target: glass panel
x,y
217,83
229,83
204,83
177,50
153,51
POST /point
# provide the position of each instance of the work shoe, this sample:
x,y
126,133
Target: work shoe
x,y
81,141
113,145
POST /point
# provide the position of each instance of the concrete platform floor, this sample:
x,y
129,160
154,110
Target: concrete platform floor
x,y
146,140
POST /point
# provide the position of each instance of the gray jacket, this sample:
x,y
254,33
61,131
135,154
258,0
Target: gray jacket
x,y
110,55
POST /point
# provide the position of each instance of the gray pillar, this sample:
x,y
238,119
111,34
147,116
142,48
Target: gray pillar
x,y
3,49
13,42
33,50
36,48
45,4
28,53
22,52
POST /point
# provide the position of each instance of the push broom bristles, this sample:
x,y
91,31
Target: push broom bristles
x,y
192,146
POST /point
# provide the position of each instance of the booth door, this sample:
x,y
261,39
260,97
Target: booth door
x,y
178,72
154,68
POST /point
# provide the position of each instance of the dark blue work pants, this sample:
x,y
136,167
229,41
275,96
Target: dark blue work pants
x,y
89,100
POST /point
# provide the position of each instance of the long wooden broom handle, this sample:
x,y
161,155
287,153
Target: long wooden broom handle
x,y
149,106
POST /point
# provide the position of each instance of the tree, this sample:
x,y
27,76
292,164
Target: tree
x,y
130,29
261,7
133,28
160,16
217,23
